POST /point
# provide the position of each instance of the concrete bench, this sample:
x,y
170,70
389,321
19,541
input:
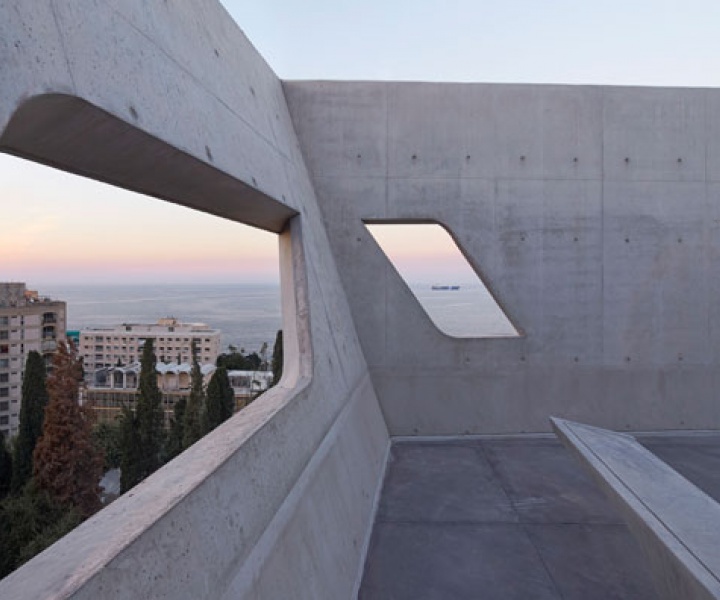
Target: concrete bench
x,y
676,524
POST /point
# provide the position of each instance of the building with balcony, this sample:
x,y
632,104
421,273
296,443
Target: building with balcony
x,y
105,347
28,321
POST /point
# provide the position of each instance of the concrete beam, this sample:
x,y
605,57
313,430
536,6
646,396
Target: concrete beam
x,y
69,133
676,524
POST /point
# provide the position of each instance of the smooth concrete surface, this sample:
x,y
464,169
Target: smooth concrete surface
x,y
590,212
172,99
676,523
512,518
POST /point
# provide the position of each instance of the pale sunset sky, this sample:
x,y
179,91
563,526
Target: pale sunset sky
x,y
59,228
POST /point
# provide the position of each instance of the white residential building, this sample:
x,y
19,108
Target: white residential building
x,y
107,347
27,322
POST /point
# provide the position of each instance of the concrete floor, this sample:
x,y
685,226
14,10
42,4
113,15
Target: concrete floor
x,y
511,518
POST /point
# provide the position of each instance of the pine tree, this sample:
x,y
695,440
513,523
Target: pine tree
x,y
149,414
6,467
66,462
192,426
32,413
277,358
220,400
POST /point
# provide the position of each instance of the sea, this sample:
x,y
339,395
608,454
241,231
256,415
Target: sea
x,y
248,315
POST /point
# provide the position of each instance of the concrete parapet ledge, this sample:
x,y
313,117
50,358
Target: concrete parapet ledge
x,y
676,524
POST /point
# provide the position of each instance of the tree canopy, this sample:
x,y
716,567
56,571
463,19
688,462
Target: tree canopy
x,y
237,360
142,431
6,467
192,429
149,412
220,400
32,413
66,462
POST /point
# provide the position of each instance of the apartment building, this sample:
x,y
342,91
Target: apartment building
x,y
106,347
28,322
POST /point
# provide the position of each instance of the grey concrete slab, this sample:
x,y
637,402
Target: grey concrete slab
x,y
661,133
572,141
443,147
545,484
562,539
351,119
593,562
442,482
676,524
695,457
422,561
655,243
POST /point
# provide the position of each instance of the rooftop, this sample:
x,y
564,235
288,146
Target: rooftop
x,y
516,517
162,326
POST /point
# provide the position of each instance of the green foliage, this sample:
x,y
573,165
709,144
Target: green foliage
x,y
32,414
220,400
29,523
131,458
174,445
192,426
108,437
66,462
277,358
149,412
142,431
237,361
6,467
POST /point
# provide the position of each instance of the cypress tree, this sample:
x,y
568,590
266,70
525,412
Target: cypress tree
x,y
277,358
149,414
192,427
175,438
66,462
32,413
6,467
131,463
220,400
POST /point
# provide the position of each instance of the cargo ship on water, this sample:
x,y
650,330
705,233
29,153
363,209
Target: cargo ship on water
x,y
444,288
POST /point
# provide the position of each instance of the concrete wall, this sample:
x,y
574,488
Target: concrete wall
x,y
171,99
590,212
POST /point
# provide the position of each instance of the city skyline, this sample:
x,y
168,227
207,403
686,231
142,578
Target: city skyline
x,y
106,235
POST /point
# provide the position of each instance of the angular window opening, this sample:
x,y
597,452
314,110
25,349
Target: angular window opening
x,y
117,257
442,280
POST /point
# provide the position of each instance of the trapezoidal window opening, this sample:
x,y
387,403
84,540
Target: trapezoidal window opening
x,y
110,268
442,280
